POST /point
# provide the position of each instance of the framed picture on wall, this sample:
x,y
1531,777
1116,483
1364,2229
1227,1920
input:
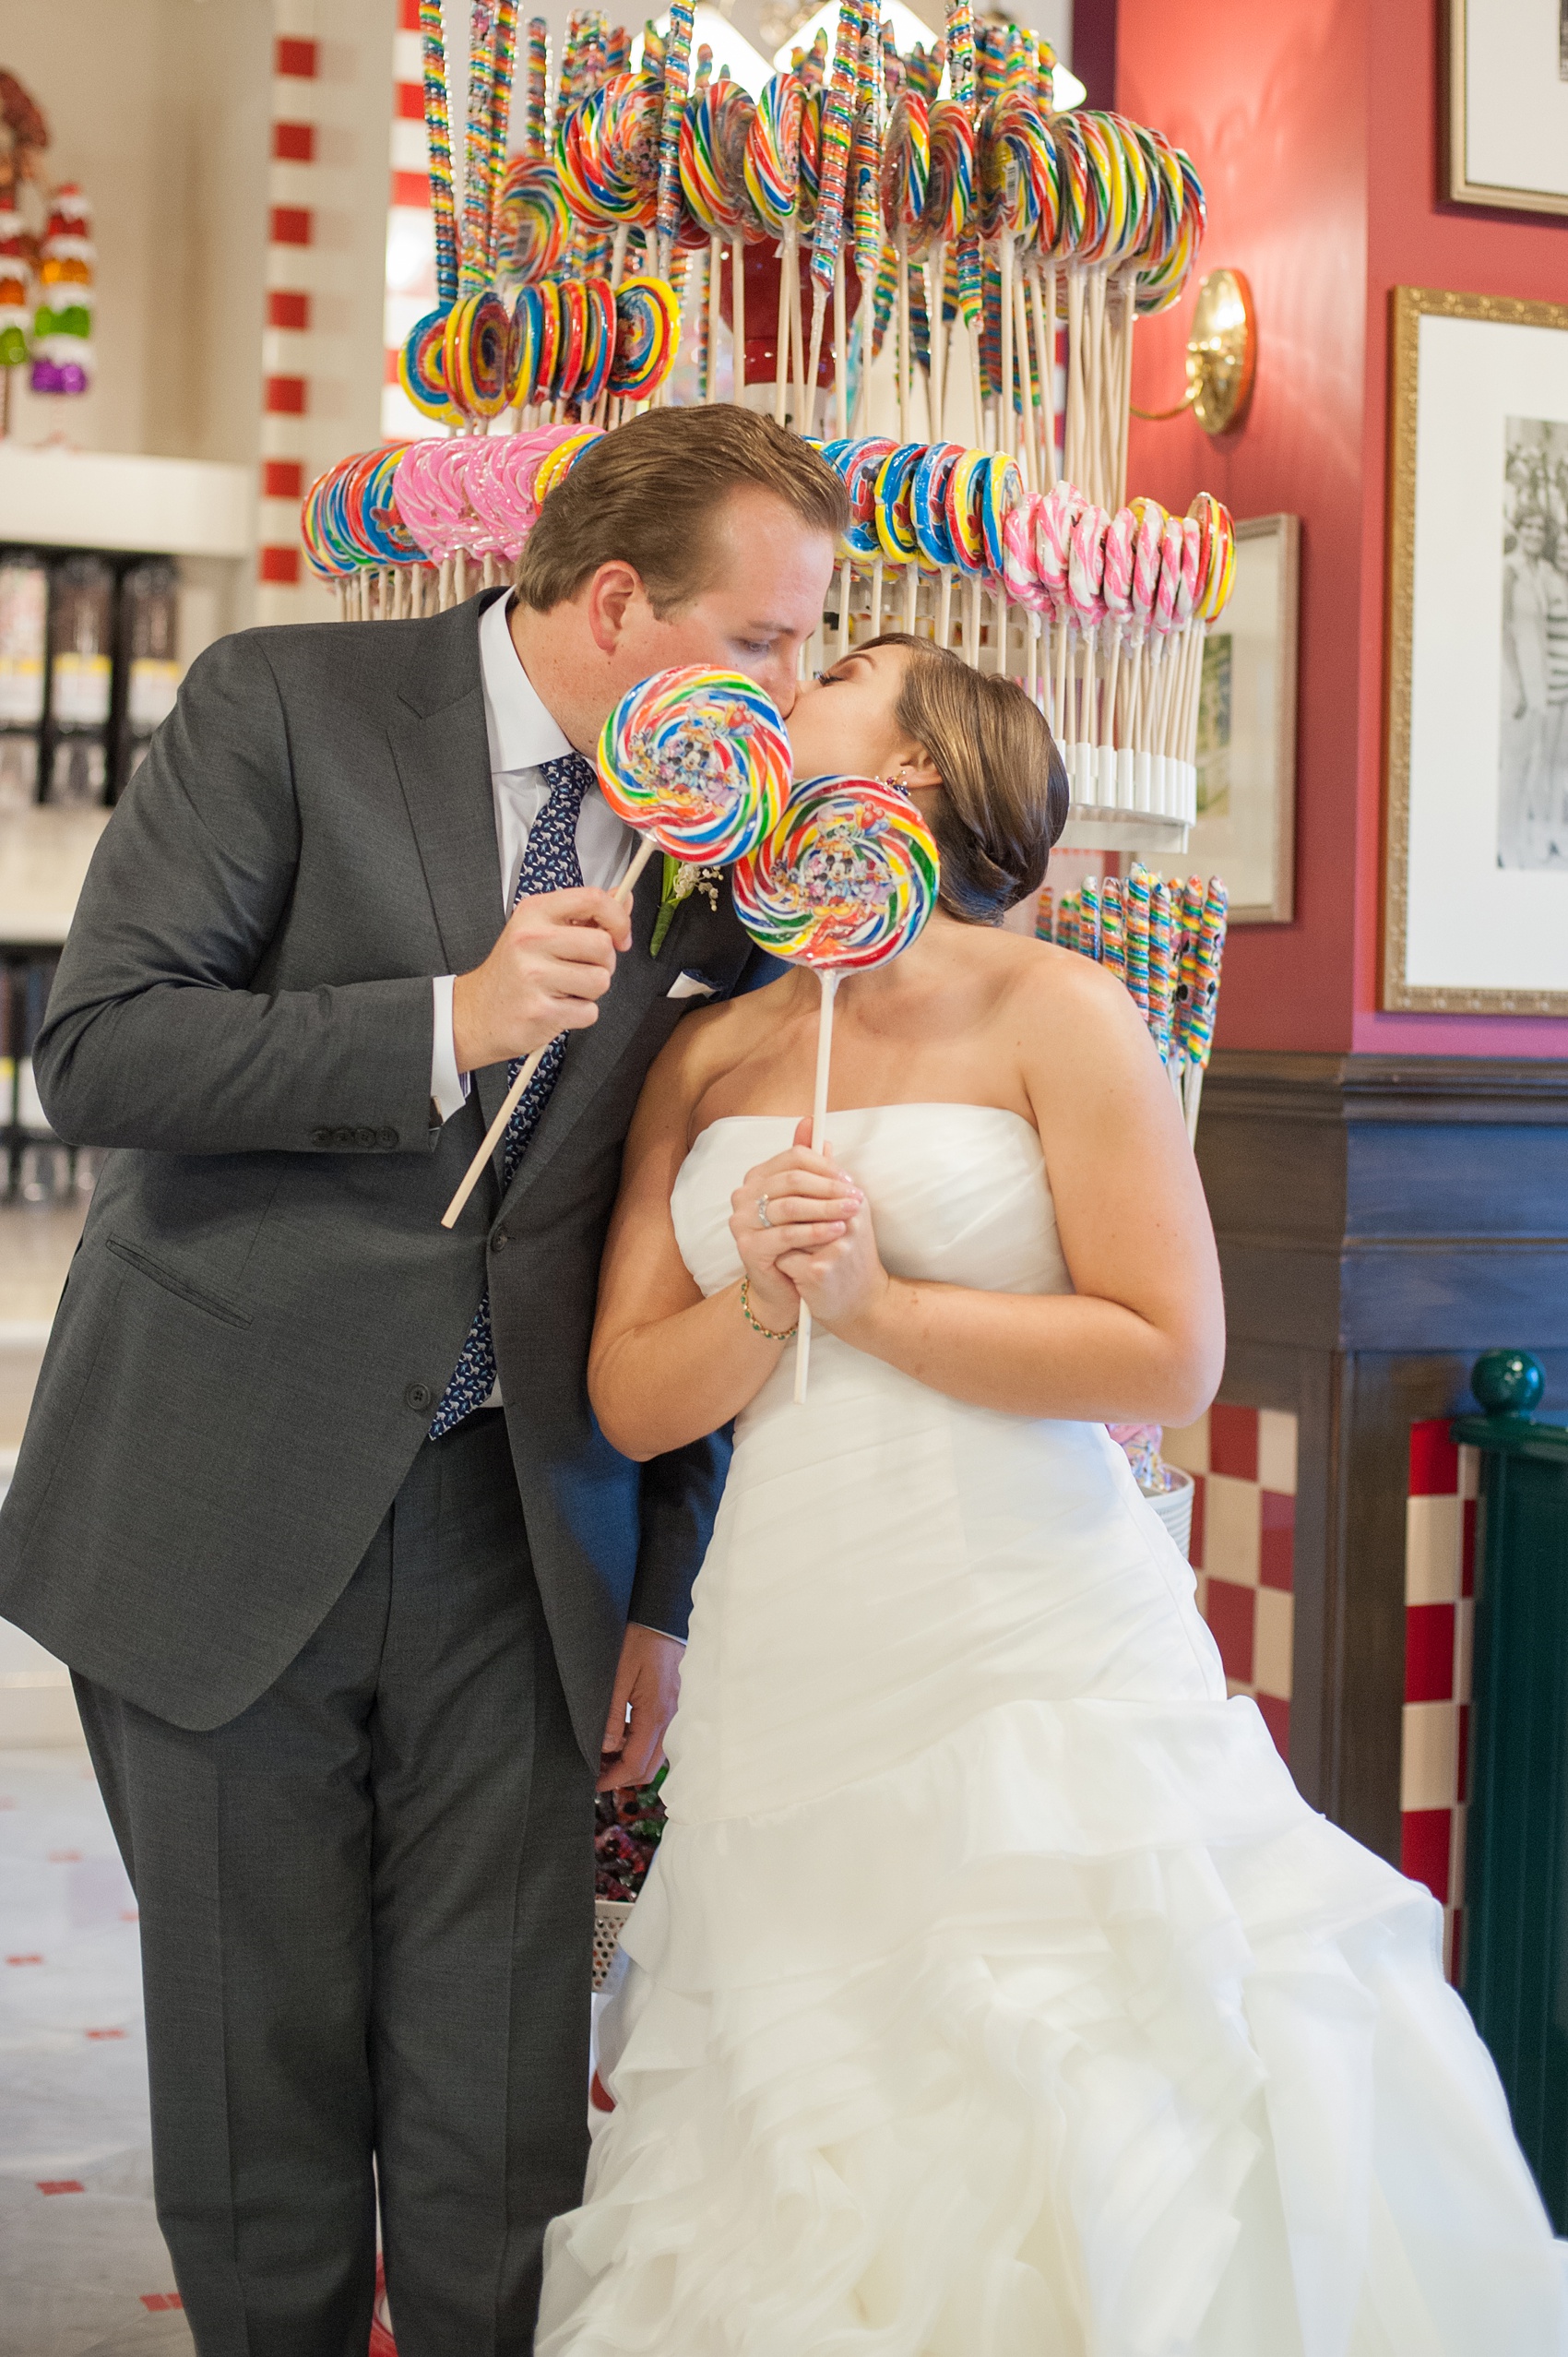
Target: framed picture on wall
x,y
1476,835
1246,746
1508,103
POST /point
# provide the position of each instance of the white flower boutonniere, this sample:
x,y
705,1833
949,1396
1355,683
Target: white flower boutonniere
x,y
681,878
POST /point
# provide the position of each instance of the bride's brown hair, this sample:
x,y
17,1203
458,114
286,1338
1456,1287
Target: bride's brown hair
x,y
1003,798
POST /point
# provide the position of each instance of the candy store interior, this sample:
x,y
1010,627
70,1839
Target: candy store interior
x,y
1132,328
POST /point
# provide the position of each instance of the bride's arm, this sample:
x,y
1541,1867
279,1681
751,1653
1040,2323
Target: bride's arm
x,y
665,1366
1142,1336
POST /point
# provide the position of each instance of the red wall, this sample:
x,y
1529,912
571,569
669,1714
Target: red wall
x,y
1314,129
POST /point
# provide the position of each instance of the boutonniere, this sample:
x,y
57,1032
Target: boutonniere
x,y
681,878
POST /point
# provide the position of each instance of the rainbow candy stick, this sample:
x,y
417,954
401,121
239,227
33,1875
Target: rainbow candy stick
x,y
1137,898
845,883
961,51
1162,966
1187,978
1112,928
438,135
1044,929
475,260
1198,1027
837,126
1088,918
500,112
677,73
535,87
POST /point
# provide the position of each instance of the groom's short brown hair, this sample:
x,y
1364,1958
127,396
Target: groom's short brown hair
x,y
647,494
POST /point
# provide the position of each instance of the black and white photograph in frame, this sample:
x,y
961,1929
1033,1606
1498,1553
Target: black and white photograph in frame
x,y
1476,834
1532,817
1246,737
1507,128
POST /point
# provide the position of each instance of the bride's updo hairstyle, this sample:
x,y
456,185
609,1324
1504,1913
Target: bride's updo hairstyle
x,y
1003,796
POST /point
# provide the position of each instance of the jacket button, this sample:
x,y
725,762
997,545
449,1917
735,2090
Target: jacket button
x,y
500,1240
386,1137
323,1136
363,1136
418,1396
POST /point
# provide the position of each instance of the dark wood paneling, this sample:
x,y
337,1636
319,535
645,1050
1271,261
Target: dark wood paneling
x,y
1380,1221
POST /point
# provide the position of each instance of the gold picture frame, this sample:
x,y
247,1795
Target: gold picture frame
x,y
1465,16
1409,306
1250,835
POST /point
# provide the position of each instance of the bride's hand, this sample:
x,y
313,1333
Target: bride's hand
x,y
842,1280
810,1204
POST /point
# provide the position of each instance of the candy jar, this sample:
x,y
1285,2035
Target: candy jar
x,y
149,617
81,679
24,612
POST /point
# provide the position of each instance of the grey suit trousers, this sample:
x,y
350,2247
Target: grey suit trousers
x,y
366,1921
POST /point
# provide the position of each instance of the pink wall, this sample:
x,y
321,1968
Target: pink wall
x,y
1314,128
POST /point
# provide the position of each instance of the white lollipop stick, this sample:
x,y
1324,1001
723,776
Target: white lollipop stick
x,y
829,978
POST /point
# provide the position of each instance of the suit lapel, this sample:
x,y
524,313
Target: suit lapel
x,y
592,1056
443,761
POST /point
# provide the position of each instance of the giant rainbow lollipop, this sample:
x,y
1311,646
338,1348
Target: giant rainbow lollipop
x,y
845,881
697,761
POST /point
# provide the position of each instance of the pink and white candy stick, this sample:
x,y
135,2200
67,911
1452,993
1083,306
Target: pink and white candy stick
x,y
1118,591
1146,542
1086,601
1054,517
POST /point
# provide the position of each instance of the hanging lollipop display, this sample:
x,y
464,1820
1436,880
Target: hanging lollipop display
x,y
844,883
697,761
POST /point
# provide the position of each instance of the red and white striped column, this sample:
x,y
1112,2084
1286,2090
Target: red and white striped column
x,y
291,229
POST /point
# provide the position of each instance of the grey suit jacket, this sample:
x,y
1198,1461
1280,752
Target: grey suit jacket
x,y
265,1307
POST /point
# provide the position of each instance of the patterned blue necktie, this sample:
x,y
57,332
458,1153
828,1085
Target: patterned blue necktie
x,y
550,865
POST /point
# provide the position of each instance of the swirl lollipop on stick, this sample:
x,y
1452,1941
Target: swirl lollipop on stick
x,y
697,761
844,883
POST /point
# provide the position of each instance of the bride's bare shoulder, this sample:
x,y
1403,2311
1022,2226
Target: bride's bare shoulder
x,y
1073,1008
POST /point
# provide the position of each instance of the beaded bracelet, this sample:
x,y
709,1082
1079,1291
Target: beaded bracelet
x,y
756,1323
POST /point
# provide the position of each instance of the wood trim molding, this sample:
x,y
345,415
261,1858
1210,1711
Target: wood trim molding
x,y
1343,1089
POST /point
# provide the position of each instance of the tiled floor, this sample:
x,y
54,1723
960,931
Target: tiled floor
x,y
83,2269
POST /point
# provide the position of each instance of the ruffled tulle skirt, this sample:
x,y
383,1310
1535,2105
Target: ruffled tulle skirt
x,y
956,2064
994,1993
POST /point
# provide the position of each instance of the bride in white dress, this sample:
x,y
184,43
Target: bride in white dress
x,y
994,1993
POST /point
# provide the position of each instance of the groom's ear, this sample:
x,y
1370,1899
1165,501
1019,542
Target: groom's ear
x,y
607,597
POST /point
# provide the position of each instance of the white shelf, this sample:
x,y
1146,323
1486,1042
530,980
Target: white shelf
x,y
44,860
60,499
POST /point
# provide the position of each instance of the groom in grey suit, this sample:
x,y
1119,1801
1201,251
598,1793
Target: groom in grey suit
x,y
359,1601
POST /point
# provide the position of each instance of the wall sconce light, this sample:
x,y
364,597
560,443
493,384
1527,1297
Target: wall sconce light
x,y
1222,355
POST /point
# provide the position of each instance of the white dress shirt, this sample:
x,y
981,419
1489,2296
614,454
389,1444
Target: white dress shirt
x,y
522,734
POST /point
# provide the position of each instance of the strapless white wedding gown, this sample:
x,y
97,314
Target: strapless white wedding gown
x,y
994,1993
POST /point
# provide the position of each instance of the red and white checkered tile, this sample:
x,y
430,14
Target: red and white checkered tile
x,y
1440,1565
1242,1461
